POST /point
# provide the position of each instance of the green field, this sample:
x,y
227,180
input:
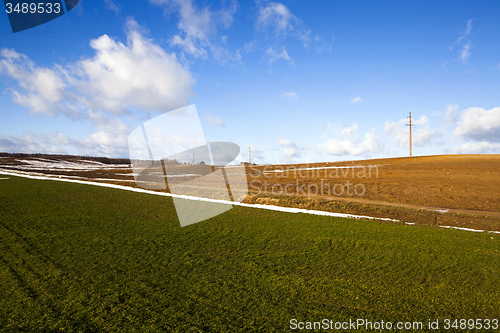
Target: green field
x,y
82,258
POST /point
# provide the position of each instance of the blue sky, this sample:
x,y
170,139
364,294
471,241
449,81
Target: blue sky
x,y
297,81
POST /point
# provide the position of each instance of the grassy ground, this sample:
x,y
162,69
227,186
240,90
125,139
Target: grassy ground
x,y
81,258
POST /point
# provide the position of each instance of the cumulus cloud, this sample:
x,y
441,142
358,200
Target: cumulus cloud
x,y
119,76
27,144
216,121
138,74
356,100
97,144
479,125
198,29
290,151
291,96
482,147
422,134
346,142
119,80
43,88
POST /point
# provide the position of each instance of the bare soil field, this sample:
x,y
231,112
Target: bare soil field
x,y
452,190
455,190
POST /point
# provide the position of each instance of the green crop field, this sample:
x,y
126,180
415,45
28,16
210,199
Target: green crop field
x,y
82,258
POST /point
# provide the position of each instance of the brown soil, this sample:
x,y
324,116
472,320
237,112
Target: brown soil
x,y
406,189
466,182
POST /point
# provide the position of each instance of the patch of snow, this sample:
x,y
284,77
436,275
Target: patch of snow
x,y
468,229
439,210
56,165
268,207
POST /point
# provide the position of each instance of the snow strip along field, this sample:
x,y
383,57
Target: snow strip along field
x,y
443,191
41,164
267,207
79,169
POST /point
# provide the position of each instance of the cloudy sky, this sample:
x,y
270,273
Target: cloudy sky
x,y
298,81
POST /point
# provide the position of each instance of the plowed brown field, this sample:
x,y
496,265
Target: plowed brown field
x,y
454,190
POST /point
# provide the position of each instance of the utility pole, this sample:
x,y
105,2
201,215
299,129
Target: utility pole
x,y
410,125
249,154
193,158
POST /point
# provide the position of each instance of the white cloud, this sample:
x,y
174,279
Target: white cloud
x,y
346,147
304,37
285,143
273,56
277,16
44,88
322,46
467,32
291,96
356,100
422,134
113,5
277,21
451,114
139,74
97,144
346,142
119,76
349,132
291,150
249,47
27,144
480,125
465,53
216,121
481,147
280,20
199,28
121,79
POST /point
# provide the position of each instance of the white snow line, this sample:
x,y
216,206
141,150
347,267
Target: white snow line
x,y
268,207
442,211
45,164
468,229
4,178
